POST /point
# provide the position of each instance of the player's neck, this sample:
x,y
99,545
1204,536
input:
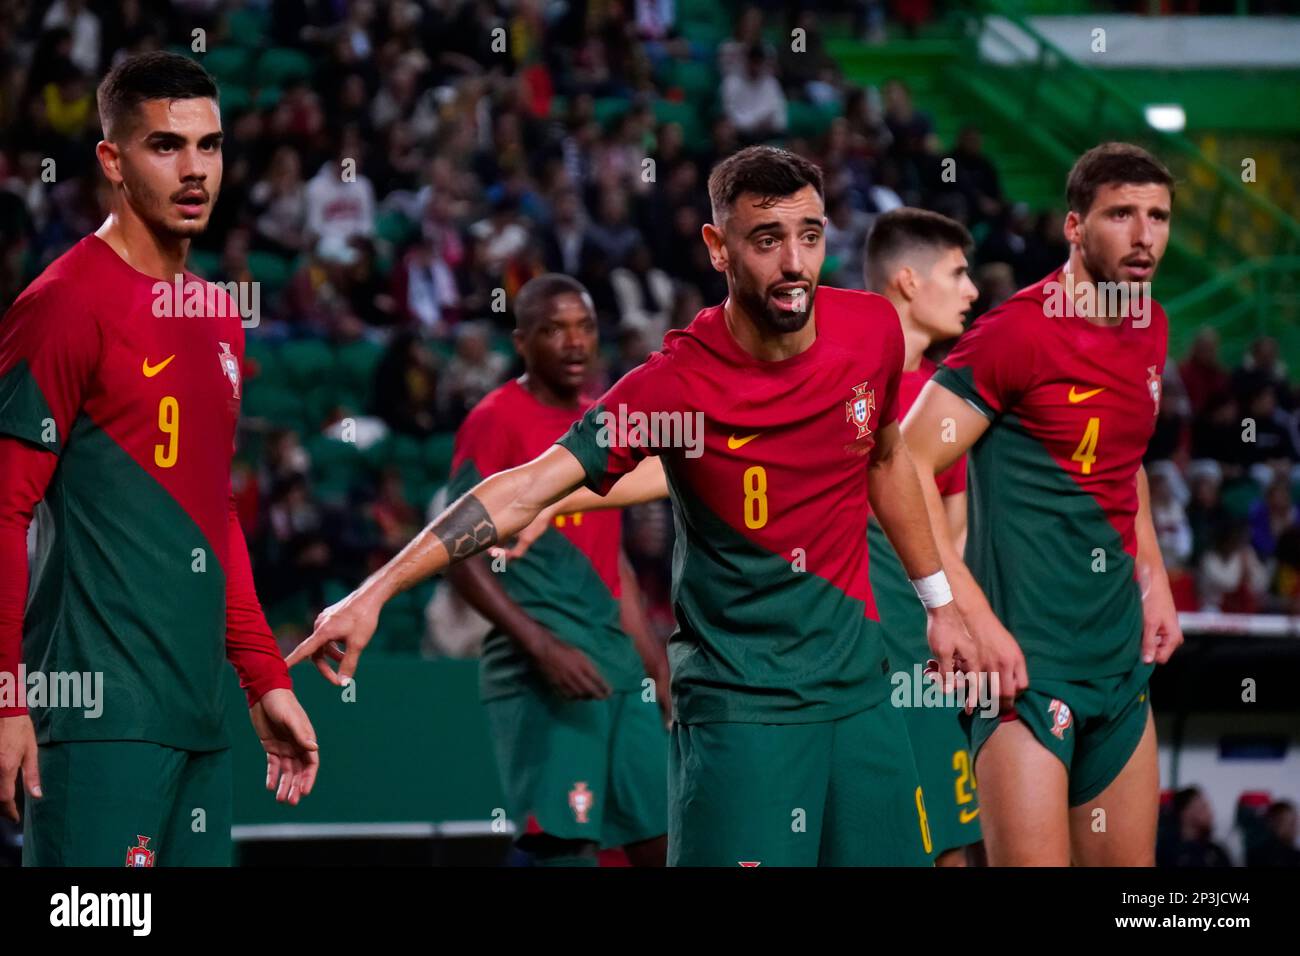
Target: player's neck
x,y
142,249
535,387
1077,280
915,340
765,345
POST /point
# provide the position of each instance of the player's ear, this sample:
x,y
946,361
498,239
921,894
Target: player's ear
x,y
109,161
1073,226
717,247
907,282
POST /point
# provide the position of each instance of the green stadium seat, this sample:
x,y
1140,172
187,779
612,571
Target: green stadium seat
x,y
228,63
281,65
266,358
666,111
235,99
394,227
1238,497
437,455
280,406
807,120
271,270
307,363
356,363
699,81
396,451
204,264
248,28
607,109
268,97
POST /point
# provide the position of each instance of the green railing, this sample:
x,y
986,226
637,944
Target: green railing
x,y
1257,297
1065,108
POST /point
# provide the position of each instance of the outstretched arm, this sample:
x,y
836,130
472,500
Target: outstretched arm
x,y
645,482
491,511
940,428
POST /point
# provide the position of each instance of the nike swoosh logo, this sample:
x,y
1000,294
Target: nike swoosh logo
x,y
966,816
733,442
151,370
1077,397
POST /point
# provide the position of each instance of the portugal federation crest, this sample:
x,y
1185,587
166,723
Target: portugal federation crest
x,y
229,366
1062,718
857,409
580,801
1153,386
138,856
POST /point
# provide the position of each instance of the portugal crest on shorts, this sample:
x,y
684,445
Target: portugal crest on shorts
x,y
580,801
1153,386
1061,717
229,366
857,409
140,855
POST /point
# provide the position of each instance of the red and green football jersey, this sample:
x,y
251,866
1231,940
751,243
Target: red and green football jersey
x,y
901,612
568,580
133,542
1053,480
768,479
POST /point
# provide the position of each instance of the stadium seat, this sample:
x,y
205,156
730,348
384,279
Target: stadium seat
x,y
247,28
394,227
268,97
355,366
204,264
264,362
281,65
279,406
271,270
437,455
235,99
228,63
607,109
307,363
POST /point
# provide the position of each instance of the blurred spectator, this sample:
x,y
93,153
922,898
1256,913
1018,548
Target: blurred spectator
x,y
1268,433
406,387
1232,579
394,516
732,53
340,203
613,231
1262,366
977,178
566,240
996,283
84,27
753,98
645,294
424,288
472,372
1203,374
1173,530
1280,848
1191,844
279,203
1271,515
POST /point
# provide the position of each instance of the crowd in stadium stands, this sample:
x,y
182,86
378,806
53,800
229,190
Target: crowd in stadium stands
x,y
1264,832
391,179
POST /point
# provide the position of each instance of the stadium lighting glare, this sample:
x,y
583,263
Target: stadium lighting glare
x,y
1166,117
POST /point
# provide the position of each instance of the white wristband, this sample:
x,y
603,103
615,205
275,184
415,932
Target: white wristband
x,y
933,590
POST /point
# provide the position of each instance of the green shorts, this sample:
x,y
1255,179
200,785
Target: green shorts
x,y
946,769
582,769
1092,726
132,803
836,793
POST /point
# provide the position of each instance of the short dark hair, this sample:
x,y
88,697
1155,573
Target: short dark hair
x,y
156,75
533,301
905,230
1110,164
766,171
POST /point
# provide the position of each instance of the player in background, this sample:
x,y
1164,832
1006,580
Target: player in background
x,y
1055,394
581,749
117,426
917,260
774,415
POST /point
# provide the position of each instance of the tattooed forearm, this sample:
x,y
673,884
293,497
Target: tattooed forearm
x,y
465,528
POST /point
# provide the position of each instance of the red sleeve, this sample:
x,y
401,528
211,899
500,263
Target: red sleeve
x,y
952,480
50,348
250,646
25,473
992,364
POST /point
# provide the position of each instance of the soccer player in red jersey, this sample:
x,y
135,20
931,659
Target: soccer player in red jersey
x,y
1055,394
917,260
580,744
117,426
775,417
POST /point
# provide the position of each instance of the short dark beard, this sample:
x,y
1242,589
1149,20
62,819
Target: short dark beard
x,y
770,319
